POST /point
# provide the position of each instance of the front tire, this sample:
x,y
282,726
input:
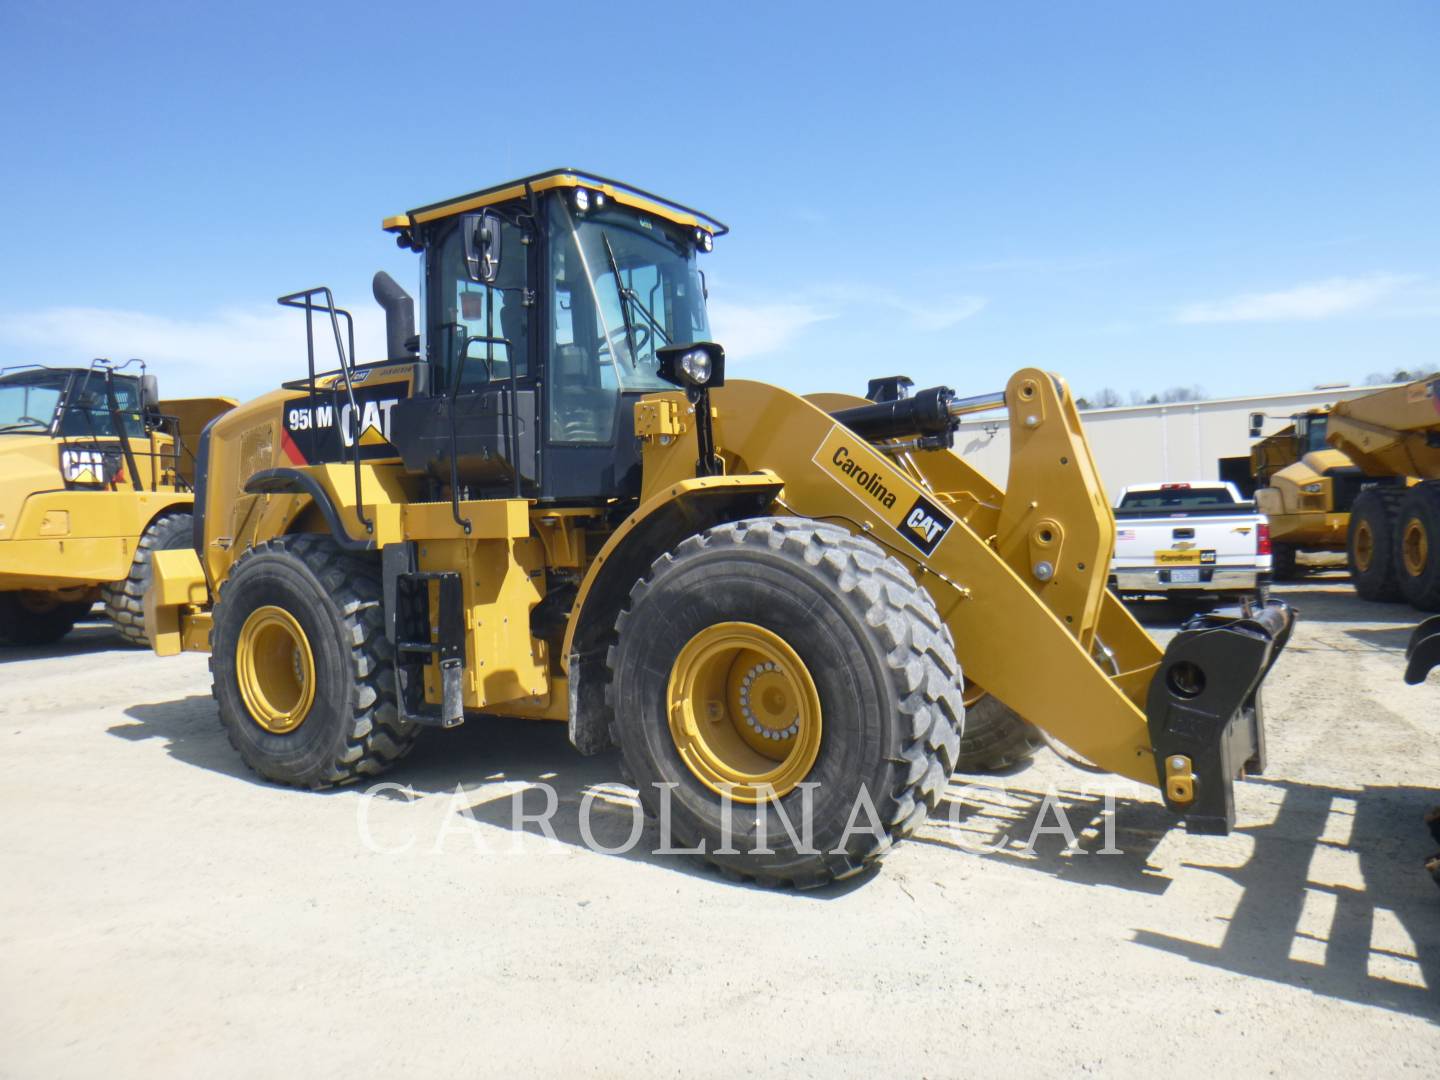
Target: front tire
x,y
1283,565
1371,547
302,672
125,599
785,652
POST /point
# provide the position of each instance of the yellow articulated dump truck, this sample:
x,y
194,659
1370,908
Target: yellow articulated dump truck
x,y
94,478
550,502
1305,487
1393,436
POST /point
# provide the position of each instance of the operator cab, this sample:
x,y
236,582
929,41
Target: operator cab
x,y
73,403
545,304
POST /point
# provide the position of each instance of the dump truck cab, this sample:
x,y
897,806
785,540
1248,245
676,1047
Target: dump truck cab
x,y
548,501
93,473
1305,487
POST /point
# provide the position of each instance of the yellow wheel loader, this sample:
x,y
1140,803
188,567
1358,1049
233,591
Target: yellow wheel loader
x,y
1305,487
94,478
550,502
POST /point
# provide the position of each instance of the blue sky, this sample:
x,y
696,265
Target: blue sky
x,y
1239,195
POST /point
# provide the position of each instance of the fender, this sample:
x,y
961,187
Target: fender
x,y
294,482
657,525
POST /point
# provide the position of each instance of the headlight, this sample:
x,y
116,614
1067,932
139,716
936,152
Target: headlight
x,y
705,240
1313,489
582,199
696,366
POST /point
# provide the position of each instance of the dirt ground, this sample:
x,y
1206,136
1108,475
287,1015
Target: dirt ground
x,y
162,913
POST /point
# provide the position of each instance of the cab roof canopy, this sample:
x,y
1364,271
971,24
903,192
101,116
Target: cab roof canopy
x,y
622,193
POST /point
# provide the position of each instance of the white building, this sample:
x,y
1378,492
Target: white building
x,y
1157,444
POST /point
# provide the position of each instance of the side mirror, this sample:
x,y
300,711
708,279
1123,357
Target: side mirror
x,y
149,392
482,246
1257,424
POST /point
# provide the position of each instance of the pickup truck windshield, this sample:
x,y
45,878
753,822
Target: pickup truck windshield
x,y
1176,501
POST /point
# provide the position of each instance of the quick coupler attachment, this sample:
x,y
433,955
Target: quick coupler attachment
x,y
1423,652
1204,713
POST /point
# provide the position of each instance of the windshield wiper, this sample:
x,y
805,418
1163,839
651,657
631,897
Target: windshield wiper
x,y
624,296
22,424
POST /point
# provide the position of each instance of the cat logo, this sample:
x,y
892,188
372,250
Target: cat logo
x,y
925,524
83,466
851,463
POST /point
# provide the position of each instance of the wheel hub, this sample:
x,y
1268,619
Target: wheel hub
x,y
1364,545
275,670
744,711
1416,548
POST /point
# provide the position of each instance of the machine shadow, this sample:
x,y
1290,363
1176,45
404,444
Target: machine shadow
x,y
1367,933
492,769
1278,930
88,637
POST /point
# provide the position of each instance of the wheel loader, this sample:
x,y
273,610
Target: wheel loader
x,y
550,502
94,478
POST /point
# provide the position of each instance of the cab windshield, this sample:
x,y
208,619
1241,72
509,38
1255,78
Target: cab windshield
x,y
27,401
624,285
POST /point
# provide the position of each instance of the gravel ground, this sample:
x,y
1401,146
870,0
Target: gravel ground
x,y
162,913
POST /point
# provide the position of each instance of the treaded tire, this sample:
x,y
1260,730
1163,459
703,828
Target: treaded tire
x,y
1283,566
882,661
1420,509
353,728
125,600
995,737
21,626
1376,508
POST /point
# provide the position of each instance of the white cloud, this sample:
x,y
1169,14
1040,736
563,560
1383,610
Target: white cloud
x,y
940,314
752,329
1303,303
236,352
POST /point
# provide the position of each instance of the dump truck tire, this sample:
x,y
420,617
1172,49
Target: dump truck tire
x,y
828,627
1283,566
125,600
302,672
26,621
995,737
1417,546
1370,547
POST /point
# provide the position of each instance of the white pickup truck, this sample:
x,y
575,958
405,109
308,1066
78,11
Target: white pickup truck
x,y
1197,541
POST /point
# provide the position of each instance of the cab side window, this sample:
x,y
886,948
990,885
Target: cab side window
x,y
481,329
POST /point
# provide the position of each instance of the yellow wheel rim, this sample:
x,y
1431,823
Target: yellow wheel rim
x,y
1415,547
744,712
1364,545
275,669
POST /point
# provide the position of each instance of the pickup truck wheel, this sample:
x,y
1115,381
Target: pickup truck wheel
x,y
1282,562
1370,547
1417,546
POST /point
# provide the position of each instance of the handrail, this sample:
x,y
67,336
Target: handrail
x,y
305,301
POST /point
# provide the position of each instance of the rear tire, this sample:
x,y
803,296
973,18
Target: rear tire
x,y
996,737
125,600
1417,546
872,647
1370,547
1283,566
35,619
341,659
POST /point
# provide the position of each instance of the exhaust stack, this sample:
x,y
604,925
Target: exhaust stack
x,y
400,340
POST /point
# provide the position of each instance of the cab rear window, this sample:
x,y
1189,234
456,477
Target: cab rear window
x,y
1176,500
